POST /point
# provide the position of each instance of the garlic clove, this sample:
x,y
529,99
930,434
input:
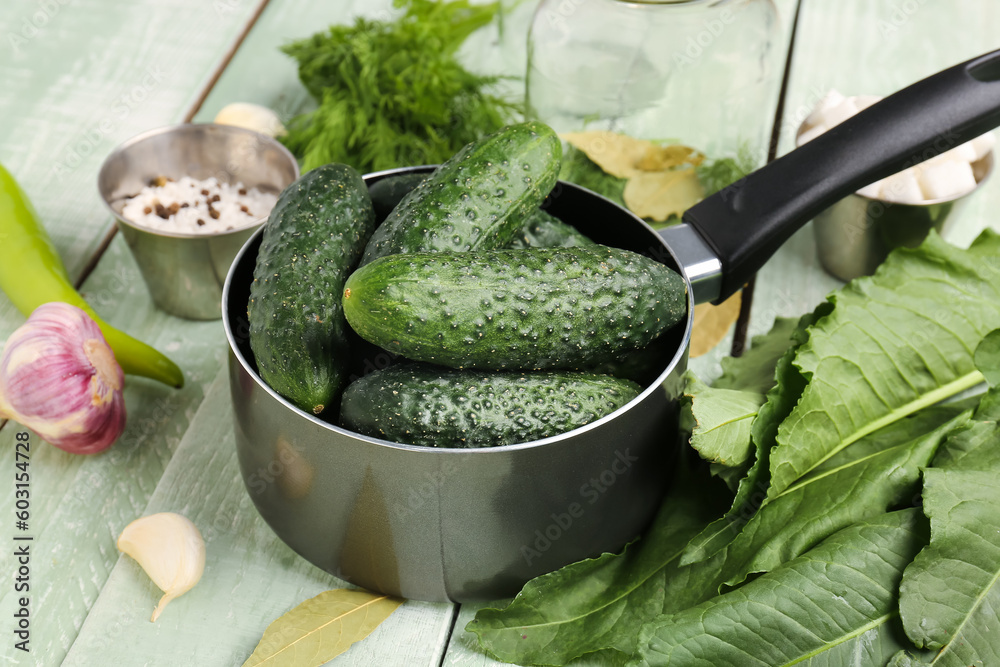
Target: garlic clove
x,y
170,549
59,378
252,117
830,100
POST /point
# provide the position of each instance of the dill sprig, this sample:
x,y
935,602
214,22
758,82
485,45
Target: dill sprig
x,y
393,93
722,172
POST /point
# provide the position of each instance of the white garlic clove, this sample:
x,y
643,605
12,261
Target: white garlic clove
x,y
59,378
830,100
810,134
170,549
252,117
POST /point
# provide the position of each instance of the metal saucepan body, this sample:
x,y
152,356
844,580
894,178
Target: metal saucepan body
x,y
457,524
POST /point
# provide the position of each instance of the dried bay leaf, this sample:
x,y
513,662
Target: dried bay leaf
x,y
624,157
660,158
617,154
321,628
658,195
712,323
661,181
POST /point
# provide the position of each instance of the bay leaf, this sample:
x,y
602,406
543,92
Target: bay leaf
x,y
712,324
658,195
661,158
616,154
624,157
321,628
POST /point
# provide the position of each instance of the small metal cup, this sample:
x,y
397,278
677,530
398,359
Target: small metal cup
x,y
855,235
185,272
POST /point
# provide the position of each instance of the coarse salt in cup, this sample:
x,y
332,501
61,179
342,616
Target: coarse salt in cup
x,y
197,206
183,174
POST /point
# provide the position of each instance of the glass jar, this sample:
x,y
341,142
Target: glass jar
x,y
704,73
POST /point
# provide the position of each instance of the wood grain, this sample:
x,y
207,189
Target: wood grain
x,y
79,78
80,503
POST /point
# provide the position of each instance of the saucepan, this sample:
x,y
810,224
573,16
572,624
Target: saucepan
x,y
475,524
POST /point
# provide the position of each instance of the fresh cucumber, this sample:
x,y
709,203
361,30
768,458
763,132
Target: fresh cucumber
x,y
642,366
535,308
478,199
312,239
541,229
427,405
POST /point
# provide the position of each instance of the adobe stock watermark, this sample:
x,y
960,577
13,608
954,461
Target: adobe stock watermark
x,y
290,469
697,44
120,109
899,17
562,11
590,492
28,29
224,8
428,489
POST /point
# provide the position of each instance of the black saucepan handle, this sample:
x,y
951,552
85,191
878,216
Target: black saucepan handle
x,y
747,222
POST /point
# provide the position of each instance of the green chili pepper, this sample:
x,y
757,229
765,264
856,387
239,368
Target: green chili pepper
x,y
32,273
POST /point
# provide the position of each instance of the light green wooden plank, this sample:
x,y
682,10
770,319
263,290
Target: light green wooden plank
x,y
261,73
94,74
868,47
81,503
81,76
250,576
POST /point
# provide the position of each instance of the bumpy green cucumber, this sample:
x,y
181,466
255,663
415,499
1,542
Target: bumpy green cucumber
x,y
535,308
642,366
478,199
427,405
541,229
313,237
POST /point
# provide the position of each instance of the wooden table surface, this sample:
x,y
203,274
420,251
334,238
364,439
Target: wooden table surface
x,y
77,77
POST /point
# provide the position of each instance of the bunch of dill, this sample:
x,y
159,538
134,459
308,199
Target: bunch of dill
x,y
392,93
